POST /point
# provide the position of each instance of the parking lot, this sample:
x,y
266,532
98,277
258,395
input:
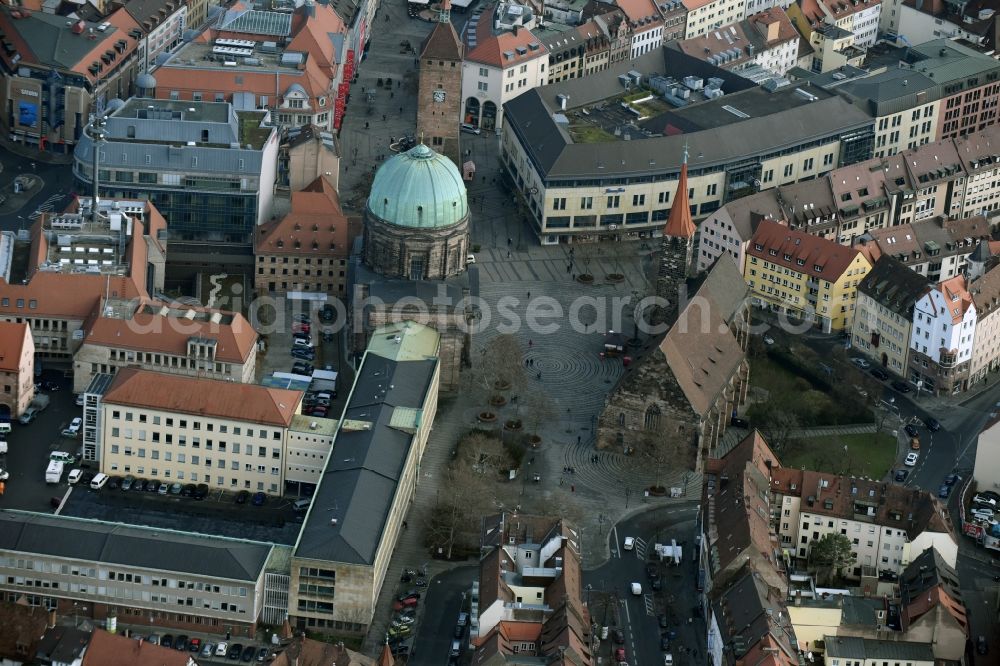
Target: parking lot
x,y
282,355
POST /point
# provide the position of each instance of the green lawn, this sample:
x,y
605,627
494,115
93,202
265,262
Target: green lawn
x,y
587,133
868,455
767,374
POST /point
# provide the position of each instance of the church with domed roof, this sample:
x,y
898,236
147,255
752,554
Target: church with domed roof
x,y
417,217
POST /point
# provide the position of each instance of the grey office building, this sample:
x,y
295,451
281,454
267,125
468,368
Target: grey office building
x,y
208,167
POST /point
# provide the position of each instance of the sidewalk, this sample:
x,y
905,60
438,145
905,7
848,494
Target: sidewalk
x,y
33,155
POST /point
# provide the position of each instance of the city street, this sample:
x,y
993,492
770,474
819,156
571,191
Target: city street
x,y
438,615
53,194
612,603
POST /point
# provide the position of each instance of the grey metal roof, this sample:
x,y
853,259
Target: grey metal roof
x,y
852,647
52,41
554,155
100,383
360,480
894,286
155,135
258,22
131,546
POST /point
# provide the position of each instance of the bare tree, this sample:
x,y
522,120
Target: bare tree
x,y
539,411
503,364
666,445
485,455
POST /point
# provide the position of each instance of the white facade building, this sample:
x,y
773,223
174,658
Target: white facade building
x,y
944,324
704,16
498,69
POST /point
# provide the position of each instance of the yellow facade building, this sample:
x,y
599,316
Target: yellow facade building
x,y
808,277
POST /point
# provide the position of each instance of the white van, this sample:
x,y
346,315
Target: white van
x,y
53,474
99,481
456,648
74,475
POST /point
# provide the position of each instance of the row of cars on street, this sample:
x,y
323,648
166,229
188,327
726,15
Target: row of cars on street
x,y
234,652
984,507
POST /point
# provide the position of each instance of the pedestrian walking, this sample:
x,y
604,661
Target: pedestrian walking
x,y
508,254
509,241
366,124
384,117
539,376
529,341
529,295
572,276
391,94
577,439
401,110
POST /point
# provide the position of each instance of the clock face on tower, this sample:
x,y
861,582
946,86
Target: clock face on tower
x,y
438,95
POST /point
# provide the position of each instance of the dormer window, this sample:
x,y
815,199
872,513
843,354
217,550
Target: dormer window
x,y
773,253
817,268
281,243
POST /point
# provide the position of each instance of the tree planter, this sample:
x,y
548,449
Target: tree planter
x,y
657,491
513,424
615,278
585,278
534,441
487,417
501,385
498,401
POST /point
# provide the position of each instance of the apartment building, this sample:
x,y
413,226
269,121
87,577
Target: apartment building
x,y
189,430
95,570
807,205
529,596
297,65
498,69
580,180
749,622
883,319
876,652
209,167
17,366
165,337
646,25
767,39
707,15
888,525
985,292
306,250
55,69
812,278
339,561
937,248
75,261
163,25
944,333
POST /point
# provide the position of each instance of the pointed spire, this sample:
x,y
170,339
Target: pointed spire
x,y
385,659
679,224
444,13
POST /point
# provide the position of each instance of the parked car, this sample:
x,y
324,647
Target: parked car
x,y
984,498
181,642
303,353
664,643
911,430
619,654
768,340
163,489
328,336
50,385
235,651
618,636
188,490
737,422
879,374
167,640
200,491
629,543
194,645
911,458
302,318
114,482
901,386
152,486
222,649
242,496
128,482
952,479
73,429
249,652
944,490
262,654
652,571
78,401
208,649
74,476
664,623
175,489
636,589
932,424
901,475
861,363
258,499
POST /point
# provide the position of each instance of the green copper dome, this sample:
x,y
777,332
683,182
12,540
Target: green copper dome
x,y
419,189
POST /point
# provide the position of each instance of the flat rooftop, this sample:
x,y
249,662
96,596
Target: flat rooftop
x,y
261,58
596,136
75,243
174,110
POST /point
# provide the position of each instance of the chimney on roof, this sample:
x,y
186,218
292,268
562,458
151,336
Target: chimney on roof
x,y
516,26
52,619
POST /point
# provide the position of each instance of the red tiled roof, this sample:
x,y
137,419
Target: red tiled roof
x,y
107,649
813,255
491,49
639,13
955,290
315,226
207,397
12,337
679,224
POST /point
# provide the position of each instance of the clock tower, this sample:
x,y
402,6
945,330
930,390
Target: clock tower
x,y
439,97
